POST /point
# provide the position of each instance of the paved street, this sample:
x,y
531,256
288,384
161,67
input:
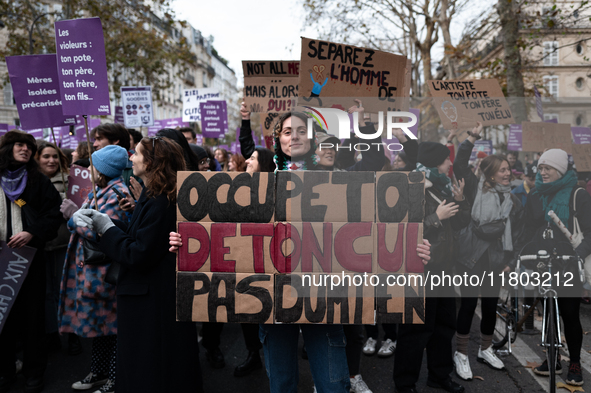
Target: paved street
x,y
63,370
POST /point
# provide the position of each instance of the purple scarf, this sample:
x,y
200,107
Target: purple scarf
x,y
14,183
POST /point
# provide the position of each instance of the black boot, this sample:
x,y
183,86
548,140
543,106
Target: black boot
x,y
252,362
74,345
215,358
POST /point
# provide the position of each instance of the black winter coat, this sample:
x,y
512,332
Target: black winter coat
x,y
472,247
155,353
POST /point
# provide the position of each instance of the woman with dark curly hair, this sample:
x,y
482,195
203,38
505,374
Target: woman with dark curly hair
x,y
155,353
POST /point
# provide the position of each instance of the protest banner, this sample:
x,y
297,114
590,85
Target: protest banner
x,y
270,86
176,122
82,67
537,137
3,128
240,228
481,146
138,110
329,70
581,135
118,118
14,266
460,104
582,156
152,130
79,184
192,98
514,141
214,119
35,84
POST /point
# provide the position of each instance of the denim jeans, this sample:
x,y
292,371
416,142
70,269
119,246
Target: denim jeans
x,y
325,345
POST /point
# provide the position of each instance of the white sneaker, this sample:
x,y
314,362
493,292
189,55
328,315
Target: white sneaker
x,y
89,382
462,366
488,356
358,385
314,391
370,346
387,348
19,365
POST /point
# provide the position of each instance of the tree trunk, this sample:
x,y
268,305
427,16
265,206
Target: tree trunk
x,y
510,34
444,22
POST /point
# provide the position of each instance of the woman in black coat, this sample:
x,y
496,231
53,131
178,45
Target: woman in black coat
x,y
29,216
155,353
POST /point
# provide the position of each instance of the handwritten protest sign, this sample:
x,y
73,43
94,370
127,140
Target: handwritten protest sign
x,y
82,67
270,86
214,119
581,135
14,266
138,110
79,184
329,69
268,122
461,104
539,136
283,230
192,98
582,157
35,84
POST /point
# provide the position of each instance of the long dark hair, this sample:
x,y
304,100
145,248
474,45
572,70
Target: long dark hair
x,y
191,160
265,159
7,160
162,161
310,158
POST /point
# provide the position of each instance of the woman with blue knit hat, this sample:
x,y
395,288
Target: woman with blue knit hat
x,y
88,304
557,190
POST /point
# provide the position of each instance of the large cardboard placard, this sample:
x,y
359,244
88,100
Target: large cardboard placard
x,y
582,157
332,70
538,137
225,297
400,196
270,86
313,298
320,196
225,196
461,104
400,303
14,266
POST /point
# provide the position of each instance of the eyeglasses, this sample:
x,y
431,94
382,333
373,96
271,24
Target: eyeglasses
x,y
205,161
154,139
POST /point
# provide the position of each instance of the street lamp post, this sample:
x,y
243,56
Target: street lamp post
x,y
30,30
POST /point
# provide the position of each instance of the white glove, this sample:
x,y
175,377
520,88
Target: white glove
x,y
93,220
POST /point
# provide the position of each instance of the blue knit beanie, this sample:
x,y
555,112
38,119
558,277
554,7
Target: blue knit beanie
x,y
111,160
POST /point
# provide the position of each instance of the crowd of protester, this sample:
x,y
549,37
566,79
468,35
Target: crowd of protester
x,y
106,269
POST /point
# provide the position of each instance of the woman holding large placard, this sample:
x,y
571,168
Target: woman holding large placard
x,y
29,207
155,353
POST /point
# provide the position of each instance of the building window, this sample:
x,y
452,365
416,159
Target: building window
x,y
579,120
580,48
551,84
551,53
8,96
580,83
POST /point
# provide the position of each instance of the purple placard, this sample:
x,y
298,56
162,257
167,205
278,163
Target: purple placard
x,y
551,121
119,115
37,133
514,142
539,106
581,135
153,130
79,184
13,127
82,67
3,129
233,147
214,119
225,147
176,122
481,145
35,84
199,139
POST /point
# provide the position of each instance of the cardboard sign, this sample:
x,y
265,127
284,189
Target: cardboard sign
x,y
225,297
328,69
461,104
35,85
514,141
581,135
82,67
227,247
225,197
400,196
320,196
214,119
137,104
270,86
540,136
79,184
268,122
14,266
192,98
582,157
400,303
312,298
